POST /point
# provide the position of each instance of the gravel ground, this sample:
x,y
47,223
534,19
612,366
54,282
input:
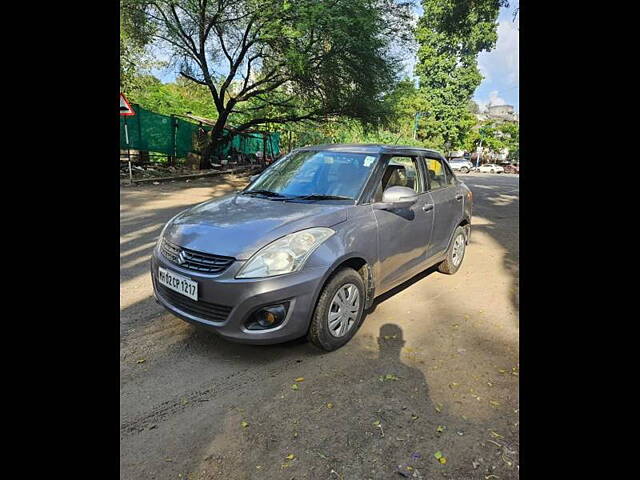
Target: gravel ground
x,y
434,368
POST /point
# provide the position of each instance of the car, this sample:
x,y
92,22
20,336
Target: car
x,y
490,168
511,169
462,164
308,245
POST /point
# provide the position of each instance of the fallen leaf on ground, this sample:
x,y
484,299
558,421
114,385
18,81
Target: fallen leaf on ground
x,y
300,379
329,405
440,428
291,456
142,360
244,424
294,386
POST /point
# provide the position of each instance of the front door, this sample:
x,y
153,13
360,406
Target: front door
x,y
448,205
404,233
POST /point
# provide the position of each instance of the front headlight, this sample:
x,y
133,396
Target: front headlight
x,y
285,255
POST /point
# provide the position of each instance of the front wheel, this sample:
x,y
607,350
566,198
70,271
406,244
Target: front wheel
x,y
455,254
464,170
339,311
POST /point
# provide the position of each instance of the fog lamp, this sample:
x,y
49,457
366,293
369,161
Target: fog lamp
x,y
267,317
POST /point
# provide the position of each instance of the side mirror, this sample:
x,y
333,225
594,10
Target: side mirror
x,y
253,177
397,197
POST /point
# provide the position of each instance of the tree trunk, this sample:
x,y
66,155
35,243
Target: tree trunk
x,y
143,157
215,140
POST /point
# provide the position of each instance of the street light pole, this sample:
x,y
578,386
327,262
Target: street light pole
x,y
415,123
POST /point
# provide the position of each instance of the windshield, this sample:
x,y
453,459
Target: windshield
x,y
317,174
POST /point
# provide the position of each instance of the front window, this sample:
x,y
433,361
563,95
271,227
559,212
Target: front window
x,y
402,172
318,175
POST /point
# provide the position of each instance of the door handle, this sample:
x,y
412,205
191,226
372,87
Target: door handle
x,y
427,206
459,197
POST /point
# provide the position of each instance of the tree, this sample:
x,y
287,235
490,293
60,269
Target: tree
x,y
280,61
450,35
136,32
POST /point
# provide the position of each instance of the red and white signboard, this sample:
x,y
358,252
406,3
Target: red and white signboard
x,y
125,107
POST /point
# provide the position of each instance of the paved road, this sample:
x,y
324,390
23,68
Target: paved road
x,y
433,368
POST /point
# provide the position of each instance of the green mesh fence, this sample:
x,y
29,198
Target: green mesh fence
x,y
248,143
153,132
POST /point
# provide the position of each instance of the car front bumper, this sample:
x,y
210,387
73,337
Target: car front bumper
x,y
222,293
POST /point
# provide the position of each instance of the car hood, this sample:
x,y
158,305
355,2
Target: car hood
x,y
238,225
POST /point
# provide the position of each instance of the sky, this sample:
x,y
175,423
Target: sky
x,y
499,67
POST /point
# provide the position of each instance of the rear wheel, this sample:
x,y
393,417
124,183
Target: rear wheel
x,y
339,311
455,254
464,170
492,171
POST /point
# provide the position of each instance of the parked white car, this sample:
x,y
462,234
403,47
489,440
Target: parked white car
x,y
461,164
490,168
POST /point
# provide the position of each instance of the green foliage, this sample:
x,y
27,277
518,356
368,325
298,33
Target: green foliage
x,y
450,35
495,136
281,64
473,107
279,61
179,97
136,33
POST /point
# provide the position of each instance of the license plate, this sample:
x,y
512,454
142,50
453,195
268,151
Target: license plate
x,y
178,283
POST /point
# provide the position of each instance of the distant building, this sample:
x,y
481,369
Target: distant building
x,y
498,112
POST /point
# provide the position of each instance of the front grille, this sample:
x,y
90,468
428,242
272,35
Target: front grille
x,y
201,309
192,260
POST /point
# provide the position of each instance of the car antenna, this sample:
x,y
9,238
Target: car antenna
x,y
397,139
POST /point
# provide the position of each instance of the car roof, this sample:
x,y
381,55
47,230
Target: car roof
x,y
374,148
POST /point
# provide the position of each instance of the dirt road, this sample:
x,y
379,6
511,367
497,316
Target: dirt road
x,y
434,368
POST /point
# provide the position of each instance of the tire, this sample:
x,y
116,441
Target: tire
x,y
451,265
492,171
464,170
320,332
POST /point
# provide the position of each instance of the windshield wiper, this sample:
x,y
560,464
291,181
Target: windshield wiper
x,y
320,196
266,193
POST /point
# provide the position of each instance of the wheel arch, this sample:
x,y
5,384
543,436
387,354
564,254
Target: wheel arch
x,y
361,265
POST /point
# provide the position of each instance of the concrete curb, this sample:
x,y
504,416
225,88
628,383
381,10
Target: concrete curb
x,y
195,175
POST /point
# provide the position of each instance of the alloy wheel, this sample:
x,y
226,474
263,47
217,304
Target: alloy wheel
x,y
343,310
458,250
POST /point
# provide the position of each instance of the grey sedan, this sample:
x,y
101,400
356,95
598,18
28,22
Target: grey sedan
x,y
309,244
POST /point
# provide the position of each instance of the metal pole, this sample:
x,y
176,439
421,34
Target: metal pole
x,y
126,137
264,149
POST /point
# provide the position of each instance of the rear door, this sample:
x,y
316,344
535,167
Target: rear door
x,y
448,204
